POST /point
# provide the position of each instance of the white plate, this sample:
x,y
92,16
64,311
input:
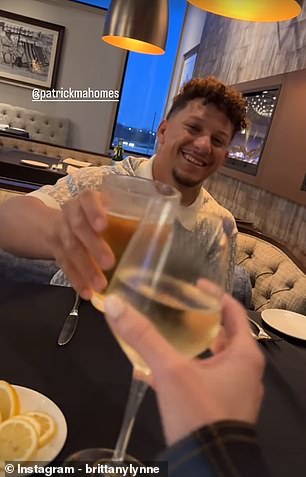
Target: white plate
x,y
74,162
18,129
288,322
72,169
43,165
31,400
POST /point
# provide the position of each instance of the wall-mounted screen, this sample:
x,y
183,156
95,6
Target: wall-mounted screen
x,y
247,146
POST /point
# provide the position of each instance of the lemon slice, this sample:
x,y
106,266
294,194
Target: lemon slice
x,y
9,401
31,420
18,440
47,426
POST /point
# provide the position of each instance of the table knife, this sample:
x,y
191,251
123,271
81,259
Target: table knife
x,y
70,324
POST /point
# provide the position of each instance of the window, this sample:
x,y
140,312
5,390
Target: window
x,y
247,146
145,87
145,90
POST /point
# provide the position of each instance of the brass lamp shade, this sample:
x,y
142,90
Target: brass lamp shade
x,y
252,10
137,25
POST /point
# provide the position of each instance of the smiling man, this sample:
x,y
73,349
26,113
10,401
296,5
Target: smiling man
x,y
64,222
194,139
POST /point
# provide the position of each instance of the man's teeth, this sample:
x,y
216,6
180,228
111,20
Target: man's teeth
x,y
191,159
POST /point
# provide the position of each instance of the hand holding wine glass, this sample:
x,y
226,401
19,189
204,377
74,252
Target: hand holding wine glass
x,y
193,393
157,275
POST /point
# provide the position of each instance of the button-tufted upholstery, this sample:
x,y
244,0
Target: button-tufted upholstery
x,y
277,281
40,126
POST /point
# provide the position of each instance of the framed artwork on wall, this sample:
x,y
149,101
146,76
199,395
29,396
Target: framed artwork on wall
x,y
188,66
29,50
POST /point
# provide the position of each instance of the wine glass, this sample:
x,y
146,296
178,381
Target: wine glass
x,y
158,275
159,278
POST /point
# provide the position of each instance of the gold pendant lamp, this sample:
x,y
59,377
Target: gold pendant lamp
x,y
252,10
137,25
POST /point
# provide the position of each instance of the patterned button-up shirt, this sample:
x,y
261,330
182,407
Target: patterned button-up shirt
x,y
92,178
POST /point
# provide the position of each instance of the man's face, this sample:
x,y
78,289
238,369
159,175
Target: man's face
x,y
193,144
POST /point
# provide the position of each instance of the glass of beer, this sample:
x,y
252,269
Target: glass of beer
x,y
127,198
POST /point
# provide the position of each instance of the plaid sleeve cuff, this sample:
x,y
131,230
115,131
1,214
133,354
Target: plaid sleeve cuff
x,y
223,449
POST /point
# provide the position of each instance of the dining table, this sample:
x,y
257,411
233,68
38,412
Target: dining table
x,y
89,378
26,171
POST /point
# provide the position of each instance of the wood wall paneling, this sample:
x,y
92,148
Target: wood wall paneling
x,y
237,51
280,218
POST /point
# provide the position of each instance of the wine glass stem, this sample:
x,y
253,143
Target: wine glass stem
x,y
136,393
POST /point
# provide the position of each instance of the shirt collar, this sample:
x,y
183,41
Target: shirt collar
x,y
186,215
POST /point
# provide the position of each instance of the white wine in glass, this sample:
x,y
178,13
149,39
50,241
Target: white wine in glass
x,y
186,316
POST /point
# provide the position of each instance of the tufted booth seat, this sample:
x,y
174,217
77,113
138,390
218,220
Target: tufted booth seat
x,y
277,280
40,126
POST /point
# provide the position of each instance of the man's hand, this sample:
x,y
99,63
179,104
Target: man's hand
x,y
77,243
194,393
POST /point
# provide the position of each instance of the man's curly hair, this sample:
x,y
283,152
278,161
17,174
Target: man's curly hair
x,y
212,91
